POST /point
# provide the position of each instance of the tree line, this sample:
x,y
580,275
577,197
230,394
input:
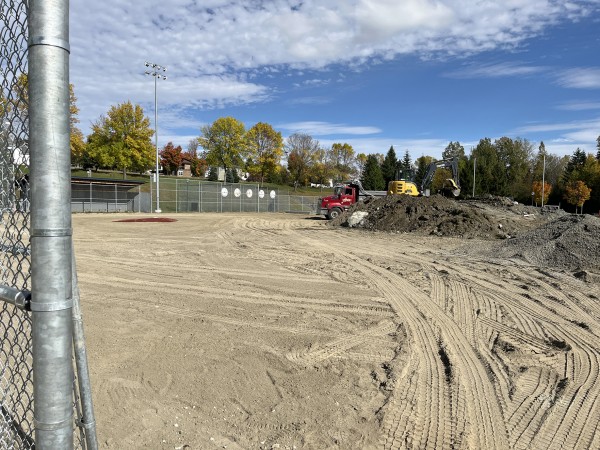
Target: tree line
x,y
505,167
122,140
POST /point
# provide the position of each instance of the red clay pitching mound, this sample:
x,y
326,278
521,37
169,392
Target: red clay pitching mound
x,y
148,219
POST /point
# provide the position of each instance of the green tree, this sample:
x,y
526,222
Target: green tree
x,y
225,143
516,156
232,176
486,166
213,174
453,150
406,163
122,139
576,162
265,149
341,158
301,149
78,146
361,160
17,105
423,163
372,178
321,169
389,166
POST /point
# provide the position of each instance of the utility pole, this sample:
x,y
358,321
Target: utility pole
x,y
543,179
474,165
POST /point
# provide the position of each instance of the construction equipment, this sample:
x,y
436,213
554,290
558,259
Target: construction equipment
x,y
344,195
404,184
451,185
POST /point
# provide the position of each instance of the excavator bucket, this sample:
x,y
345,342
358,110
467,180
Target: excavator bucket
x,y
451,187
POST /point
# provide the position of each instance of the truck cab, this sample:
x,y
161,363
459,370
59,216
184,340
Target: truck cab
x,y
343,196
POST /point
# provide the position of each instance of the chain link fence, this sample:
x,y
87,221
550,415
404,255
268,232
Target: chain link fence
x,y
19,420
186,195
16,380
197,196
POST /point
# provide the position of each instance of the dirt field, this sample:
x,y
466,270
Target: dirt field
x,y
248,331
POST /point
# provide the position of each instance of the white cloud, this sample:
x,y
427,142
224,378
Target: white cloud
x,y
579,106
325,128
213,48
504,69
567,135
580,78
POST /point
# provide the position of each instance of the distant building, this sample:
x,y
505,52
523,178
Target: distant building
x,y
185,168
243,176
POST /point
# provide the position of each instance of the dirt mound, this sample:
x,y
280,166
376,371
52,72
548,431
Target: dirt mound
x,y
435,215
569,243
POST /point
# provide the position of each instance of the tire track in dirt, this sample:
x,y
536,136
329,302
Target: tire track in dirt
x,y
340,345
482,407
127,265
251,297
528,320
561,429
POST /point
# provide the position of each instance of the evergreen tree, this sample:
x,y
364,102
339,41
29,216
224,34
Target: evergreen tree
x,y
372,178
213,174
232,176
576,162
423,163
406,161
388,168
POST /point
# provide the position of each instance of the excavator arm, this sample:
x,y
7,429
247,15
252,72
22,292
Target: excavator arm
x,y
454,182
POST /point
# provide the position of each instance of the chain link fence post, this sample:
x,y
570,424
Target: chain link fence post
x,y
51,248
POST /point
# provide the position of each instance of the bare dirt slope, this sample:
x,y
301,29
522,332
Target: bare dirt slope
x,y
278,331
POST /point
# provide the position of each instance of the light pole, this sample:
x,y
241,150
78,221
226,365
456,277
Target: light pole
x,y
155,71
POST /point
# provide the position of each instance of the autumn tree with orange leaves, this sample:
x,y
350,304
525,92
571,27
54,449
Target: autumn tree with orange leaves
x,y
170,158
576,193
538,188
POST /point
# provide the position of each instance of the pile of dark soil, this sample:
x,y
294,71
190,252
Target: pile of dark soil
x,y
569,243
434,215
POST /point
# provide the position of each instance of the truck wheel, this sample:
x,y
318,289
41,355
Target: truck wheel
x,y
334,213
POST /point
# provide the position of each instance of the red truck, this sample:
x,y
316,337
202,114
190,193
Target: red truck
x,y
344,195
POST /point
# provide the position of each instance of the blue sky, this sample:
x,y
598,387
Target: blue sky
x,y
414,74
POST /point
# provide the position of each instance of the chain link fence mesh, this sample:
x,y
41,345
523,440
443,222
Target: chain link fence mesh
x,y
16,359
185,195
194,196
16,380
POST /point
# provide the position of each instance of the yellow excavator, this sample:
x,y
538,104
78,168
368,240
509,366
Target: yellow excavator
x,y
406,185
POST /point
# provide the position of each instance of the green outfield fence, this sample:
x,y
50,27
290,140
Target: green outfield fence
x,y
186,195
